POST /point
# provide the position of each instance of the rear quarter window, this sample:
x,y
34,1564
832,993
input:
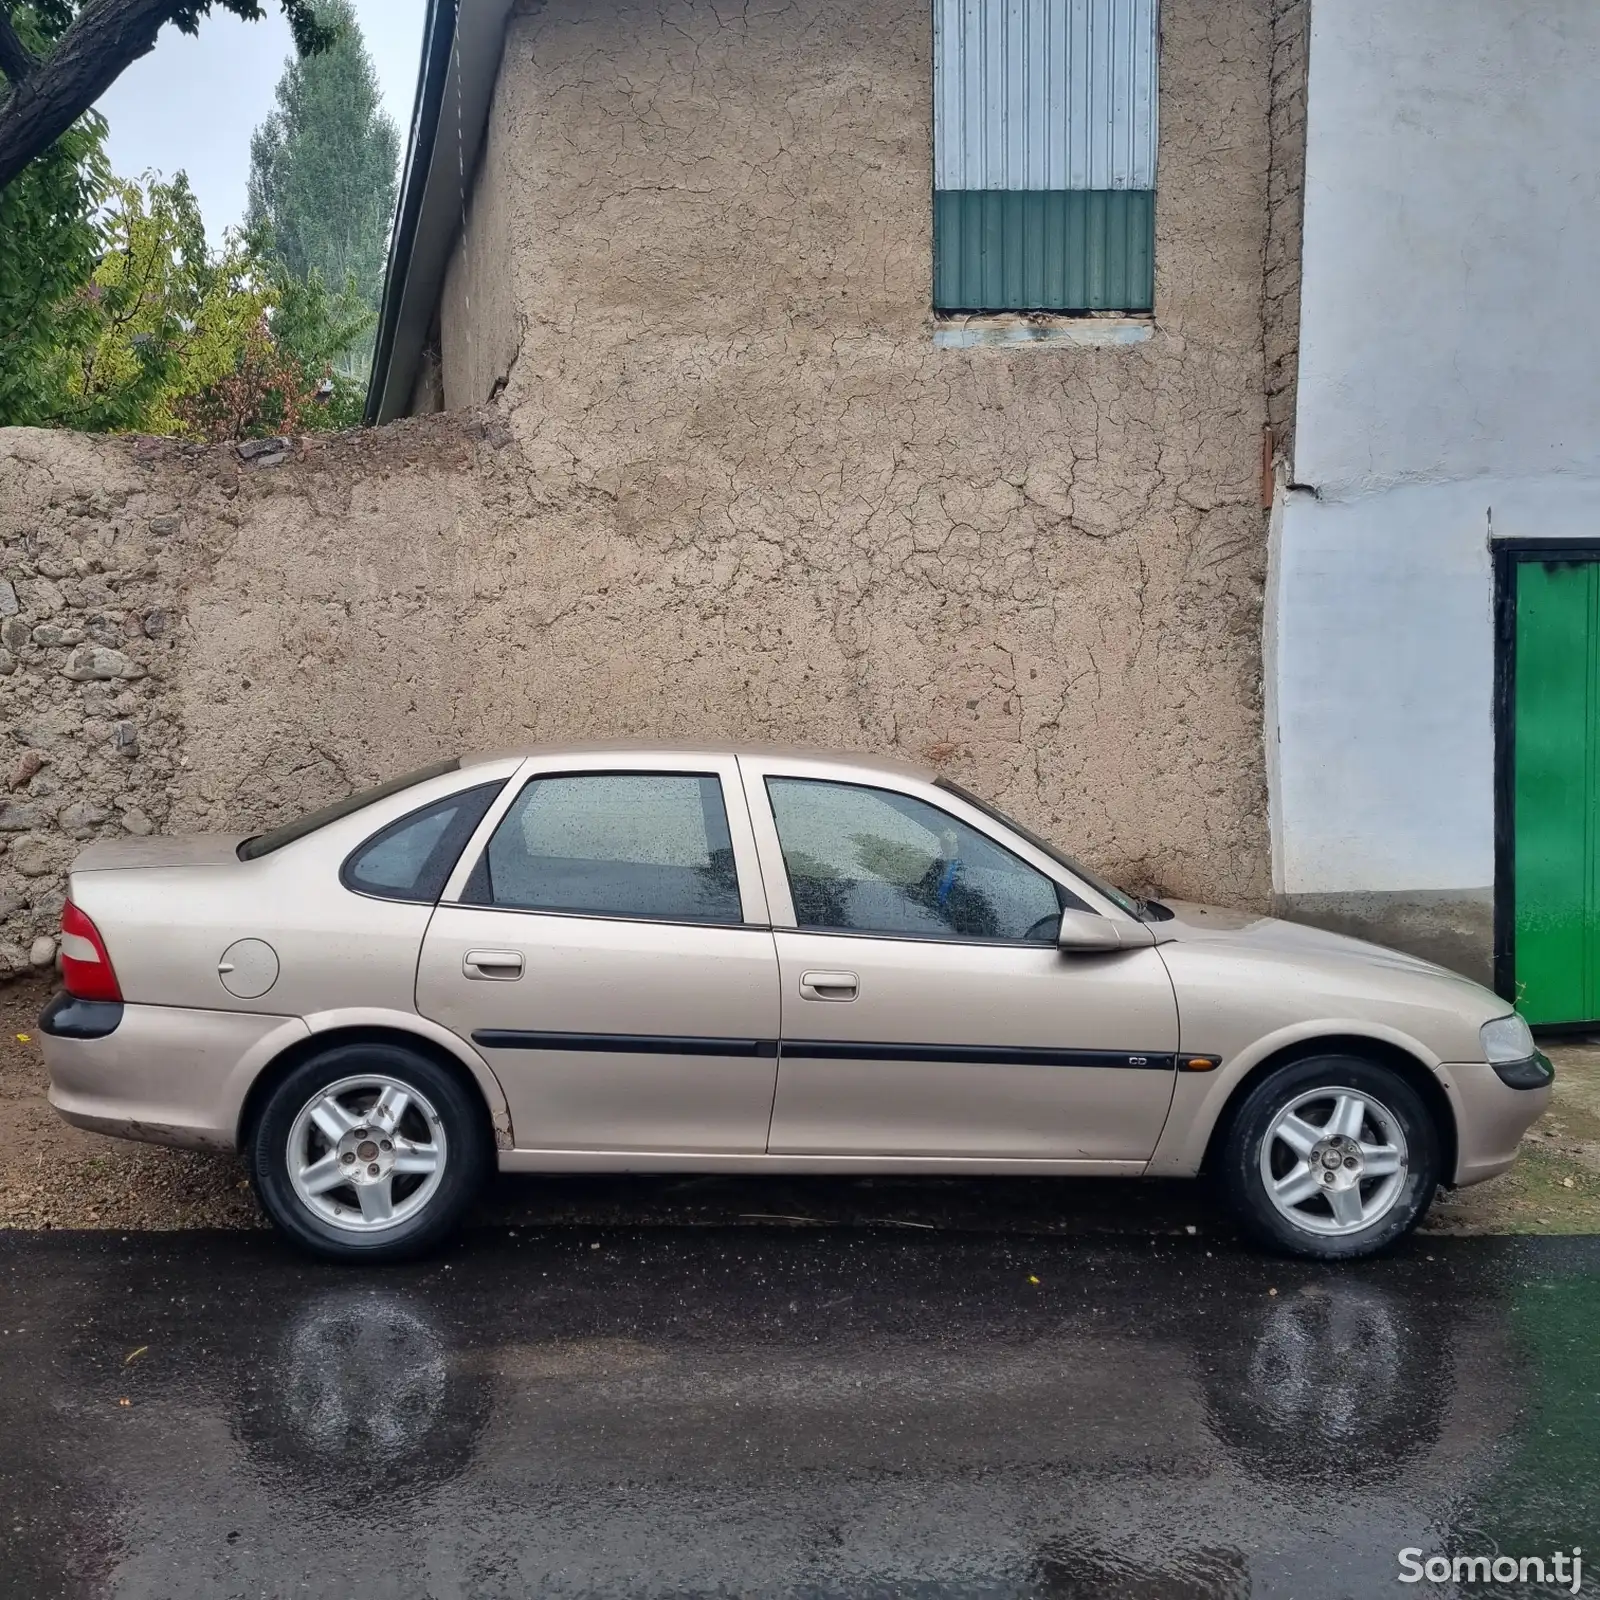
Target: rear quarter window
x,y
411,859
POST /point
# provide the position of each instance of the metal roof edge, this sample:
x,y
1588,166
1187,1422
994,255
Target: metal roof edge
x,y
462,41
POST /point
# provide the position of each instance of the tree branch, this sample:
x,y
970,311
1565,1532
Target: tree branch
x,y
17,61
107,37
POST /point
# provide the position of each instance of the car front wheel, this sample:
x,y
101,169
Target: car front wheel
x,y
1333,1157
369,1152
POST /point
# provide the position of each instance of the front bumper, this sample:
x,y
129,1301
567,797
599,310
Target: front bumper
x,y
165,1074
1491,1117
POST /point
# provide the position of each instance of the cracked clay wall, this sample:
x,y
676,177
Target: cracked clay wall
x,y
711,228
1291,46
731,490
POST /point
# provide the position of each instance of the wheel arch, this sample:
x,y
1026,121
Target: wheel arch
x,y
473,1075
1412,1068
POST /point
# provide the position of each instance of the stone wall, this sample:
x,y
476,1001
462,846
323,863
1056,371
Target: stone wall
x,y
95,553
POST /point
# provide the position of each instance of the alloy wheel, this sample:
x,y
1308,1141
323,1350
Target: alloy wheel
x,y
1334,1161
367,1153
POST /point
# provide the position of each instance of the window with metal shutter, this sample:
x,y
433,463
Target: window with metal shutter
x,y
1044,155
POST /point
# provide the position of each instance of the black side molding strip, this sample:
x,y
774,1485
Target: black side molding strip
x,y
669,1044
1009,1055
68,1017
650,1044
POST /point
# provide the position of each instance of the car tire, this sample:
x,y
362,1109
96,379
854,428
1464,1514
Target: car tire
x,y
412,1153
1391,1165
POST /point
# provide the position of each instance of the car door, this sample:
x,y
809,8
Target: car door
x,y
927,1011
604,944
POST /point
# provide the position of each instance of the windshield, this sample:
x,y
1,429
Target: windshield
x,y
263,844
1129,903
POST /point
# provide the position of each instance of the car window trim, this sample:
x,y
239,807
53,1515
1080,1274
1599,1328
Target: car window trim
x,y
499,815
610,916
1063,893
917,938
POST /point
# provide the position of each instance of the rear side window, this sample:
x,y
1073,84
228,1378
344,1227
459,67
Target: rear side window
x,y
617,844
411,859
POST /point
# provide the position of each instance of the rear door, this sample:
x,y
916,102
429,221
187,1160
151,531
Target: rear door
x,y
607,951
927,1011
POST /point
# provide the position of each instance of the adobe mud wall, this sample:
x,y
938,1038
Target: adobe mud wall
x,y
200,642
730,489
709,235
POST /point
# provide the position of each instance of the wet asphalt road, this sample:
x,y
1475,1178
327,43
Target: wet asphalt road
x,y
751,1411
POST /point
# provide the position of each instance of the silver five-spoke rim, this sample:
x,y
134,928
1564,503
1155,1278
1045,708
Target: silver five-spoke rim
x,y
366,1153
1334,1161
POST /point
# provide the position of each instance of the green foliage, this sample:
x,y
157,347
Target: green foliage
x,y
318,328
310,34
323,175
162,335
170,318
50,241
115,316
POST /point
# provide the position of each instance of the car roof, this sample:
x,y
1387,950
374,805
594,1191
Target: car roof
x,y
858,760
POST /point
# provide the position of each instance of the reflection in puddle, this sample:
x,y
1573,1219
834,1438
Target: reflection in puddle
x,y
1336,1384
361,1389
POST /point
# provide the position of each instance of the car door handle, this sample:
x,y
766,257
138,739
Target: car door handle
x,y
829,986
501,965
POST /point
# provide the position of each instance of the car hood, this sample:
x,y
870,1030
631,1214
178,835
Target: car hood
x,y
1251,930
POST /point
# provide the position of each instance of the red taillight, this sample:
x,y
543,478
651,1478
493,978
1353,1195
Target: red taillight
x,y
85,966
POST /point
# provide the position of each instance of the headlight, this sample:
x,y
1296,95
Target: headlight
x,y
1506,1039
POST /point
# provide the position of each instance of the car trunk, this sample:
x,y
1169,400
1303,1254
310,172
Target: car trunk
x,y
179,850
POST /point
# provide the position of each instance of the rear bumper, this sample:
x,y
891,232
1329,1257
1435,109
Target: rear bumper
x,y
164,1074
1491,1118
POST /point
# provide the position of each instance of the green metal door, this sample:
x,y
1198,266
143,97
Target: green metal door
x,y
1556,790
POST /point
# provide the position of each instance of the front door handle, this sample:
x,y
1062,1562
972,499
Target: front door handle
x,y
501,965
829,986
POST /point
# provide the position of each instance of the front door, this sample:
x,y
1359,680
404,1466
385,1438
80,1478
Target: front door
x,y
1555,789
927,1011
608,955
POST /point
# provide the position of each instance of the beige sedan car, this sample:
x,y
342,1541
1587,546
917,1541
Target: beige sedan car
x,y
707,960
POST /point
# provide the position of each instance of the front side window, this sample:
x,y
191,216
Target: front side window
x,y
864,860
619,844
1044,141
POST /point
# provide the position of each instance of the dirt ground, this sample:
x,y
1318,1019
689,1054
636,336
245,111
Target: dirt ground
x,y
53,1176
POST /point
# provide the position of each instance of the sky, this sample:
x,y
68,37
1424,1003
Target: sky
x,y
192,103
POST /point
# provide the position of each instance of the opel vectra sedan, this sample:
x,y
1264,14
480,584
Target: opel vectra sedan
x,y
640,960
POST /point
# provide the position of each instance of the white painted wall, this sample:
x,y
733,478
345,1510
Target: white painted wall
x,y
1449,392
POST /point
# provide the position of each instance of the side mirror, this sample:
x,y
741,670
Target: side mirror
x,y
1085,933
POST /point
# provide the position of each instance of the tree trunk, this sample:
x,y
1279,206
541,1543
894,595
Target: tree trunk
x,y
108,36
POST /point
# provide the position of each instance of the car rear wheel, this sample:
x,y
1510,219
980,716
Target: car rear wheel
x,y
369,1152
1333,1157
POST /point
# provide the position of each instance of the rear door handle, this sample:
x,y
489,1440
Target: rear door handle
x,y
829,986
500,965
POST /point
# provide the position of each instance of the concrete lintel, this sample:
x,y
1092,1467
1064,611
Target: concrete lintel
x,y
968,333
